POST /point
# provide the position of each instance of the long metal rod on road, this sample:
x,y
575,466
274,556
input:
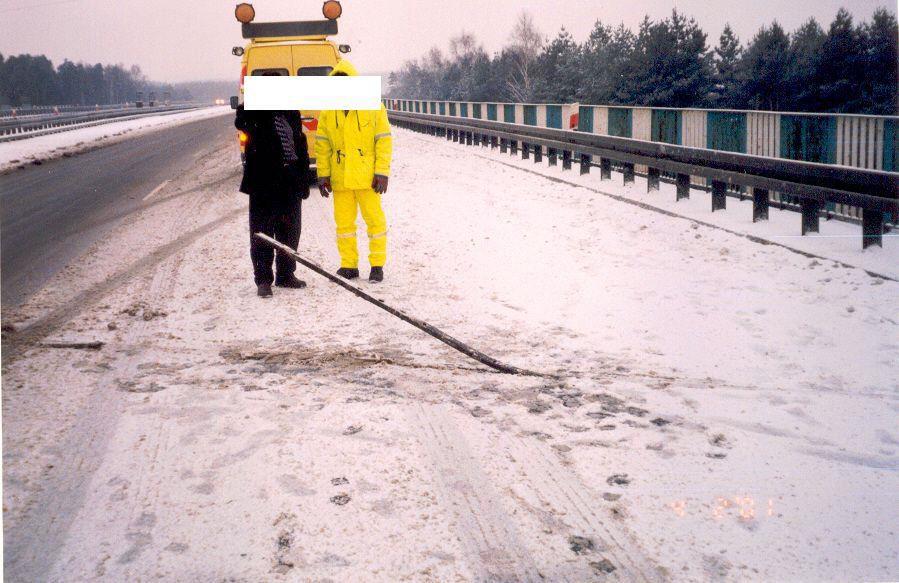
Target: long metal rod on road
x,y
420,324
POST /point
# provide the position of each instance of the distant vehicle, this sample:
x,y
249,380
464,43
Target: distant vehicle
x,y
296,48
139,102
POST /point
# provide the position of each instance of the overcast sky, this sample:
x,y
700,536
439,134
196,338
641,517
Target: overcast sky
x,y
192,39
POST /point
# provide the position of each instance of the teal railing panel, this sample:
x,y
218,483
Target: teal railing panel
x,y
476,111
726,131
491,111
891,145
554,116
452,109
890,153
585,119
621,122
442,106
463,110
530,115
808,137
666,126
509,113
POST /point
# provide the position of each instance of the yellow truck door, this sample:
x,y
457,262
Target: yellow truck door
x,y
275,58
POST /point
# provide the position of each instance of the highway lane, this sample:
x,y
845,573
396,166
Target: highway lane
x,y
50,214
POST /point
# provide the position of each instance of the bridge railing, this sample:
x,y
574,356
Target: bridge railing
x,y
859,141
814,185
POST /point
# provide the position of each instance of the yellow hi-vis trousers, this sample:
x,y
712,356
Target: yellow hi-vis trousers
x,y
369,202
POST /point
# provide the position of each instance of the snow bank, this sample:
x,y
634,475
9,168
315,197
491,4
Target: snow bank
x,y
19,152
838,240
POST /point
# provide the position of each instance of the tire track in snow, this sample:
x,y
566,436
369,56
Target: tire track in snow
x,y
487,533
34,546
561,490
146,480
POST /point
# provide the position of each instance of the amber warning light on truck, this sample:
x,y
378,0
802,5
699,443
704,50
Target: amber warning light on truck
x,y
332,9
244,13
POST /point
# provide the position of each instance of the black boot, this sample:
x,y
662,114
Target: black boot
x,y
290,281
348,272
264,290
377,274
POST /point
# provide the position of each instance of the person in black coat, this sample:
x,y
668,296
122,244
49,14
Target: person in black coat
x,y
277,177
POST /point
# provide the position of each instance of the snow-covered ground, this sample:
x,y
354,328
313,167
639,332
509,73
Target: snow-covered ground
x,y
19,152
723,409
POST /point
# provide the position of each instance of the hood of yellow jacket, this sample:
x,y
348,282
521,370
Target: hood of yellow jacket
x,y
345,67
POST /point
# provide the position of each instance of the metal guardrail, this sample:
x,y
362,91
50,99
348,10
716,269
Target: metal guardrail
x,y
26,110
813,184
14,124
21,128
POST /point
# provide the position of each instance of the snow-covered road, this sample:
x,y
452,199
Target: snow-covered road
x,y
726,409
22,152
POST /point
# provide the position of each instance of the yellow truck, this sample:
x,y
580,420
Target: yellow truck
x,y
298,48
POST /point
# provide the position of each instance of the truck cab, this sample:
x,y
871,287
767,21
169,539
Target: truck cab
x,y
298,48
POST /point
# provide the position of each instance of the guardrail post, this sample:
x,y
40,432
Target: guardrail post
x,y
492,142
872,228
514,147
525,151
503,145
605,169
585,164
566,160
810,210
653,177
468,138
683,187
628,173
719,195
759,204
538,154
553,156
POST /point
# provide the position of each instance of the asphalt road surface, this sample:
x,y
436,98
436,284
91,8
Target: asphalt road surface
x,y
50,214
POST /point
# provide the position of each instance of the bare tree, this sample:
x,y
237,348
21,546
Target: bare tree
x,y
526,42
464,47
434,60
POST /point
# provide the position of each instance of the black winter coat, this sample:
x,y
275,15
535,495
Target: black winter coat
x,y
264,174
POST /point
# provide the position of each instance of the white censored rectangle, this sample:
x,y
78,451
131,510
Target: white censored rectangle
x,y
316,93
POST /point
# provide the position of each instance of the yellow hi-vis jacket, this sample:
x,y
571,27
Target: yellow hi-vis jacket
x,y
351,147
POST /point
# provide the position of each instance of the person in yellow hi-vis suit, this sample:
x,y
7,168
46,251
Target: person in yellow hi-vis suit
x,y
353,150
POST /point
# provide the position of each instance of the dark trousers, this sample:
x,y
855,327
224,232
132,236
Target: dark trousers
x,y
281,220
